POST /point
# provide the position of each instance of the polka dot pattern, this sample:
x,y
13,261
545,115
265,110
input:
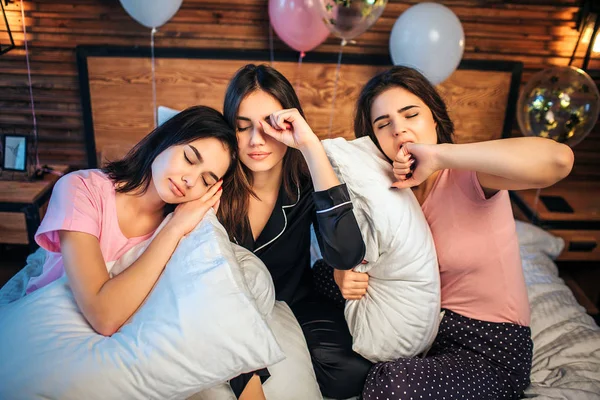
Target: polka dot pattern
x,y
470,359
324,285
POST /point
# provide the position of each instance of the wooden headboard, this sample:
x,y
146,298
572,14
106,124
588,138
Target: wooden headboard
x,y
116,91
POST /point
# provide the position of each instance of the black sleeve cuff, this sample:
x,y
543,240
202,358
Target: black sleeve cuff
x,y
334,196
238,384
337,230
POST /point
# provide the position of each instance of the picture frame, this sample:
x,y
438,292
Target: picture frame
x,y
15,153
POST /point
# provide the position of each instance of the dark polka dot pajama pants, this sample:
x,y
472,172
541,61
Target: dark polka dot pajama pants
x,y
324,285
470,359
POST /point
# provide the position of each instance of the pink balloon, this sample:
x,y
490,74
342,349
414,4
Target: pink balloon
x,y
298,23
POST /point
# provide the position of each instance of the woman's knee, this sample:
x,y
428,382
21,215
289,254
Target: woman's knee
x,y
394,380
340,374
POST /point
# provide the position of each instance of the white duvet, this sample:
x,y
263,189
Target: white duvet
x,y
566,341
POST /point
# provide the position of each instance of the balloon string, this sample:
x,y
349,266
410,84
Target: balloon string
x,y
35,131
337,76
271,52
298,80
153,77
534,218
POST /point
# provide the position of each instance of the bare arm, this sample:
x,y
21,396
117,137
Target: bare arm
x,y
107,303
506,164
253,390
512,164
321,171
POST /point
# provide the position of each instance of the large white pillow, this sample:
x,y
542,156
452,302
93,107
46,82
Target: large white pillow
x,y
257,279
291,379
198,327
399,315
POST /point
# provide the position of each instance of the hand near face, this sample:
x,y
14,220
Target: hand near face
x,y
289,128
187,215
413,164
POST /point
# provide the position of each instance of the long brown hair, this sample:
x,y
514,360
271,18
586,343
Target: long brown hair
x,y
413,81
233,211
133,172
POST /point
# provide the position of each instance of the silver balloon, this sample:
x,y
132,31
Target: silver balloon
x,y
560,103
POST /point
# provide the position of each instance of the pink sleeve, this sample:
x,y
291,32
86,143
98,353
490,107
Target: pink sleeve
x,y
470,186
73,207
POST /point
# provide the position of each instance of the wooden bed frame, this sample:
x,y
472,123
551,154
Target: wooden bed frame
x,y
116,91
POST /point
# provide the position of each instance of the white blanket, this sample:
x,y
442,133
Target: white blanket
x,y
566,341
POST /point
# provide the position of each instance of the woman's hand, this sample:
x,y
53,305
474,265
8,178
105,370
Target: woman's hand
x,y
290,128
353,285
107,303
187,215
414,163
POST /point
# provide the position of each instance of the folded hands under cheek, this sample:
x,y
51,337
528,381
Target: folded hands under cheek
x,y
187,215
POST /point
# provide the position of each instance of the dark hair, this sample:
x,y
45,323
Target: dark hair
x,y
233,210
134,171
411,80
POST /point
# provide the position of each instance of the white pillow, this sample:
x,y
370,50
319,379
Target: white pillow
x,y
257,279
399,315
165,114
291,379
197,328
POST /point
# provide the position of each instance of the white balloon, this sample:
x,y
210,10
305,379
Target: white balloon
x,y
151,13
428,37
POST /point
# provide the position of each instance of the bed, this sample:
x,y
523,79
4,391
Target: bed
x,y
117,99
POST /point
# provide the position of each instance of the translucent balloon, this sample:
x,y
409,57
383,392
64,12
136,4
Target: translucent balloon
x,y
560,103
347,19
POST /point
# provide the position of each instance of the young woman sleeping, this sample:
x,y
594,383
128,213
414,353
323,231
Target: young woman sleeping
x,y
95,216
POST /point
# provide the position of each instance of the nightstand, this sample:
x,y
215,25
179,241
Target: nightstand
x,y
23,205
571,210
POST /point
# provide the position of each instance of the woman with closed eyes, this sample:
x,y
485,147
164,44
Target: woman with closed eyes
x,y
96,215
285,184
483,349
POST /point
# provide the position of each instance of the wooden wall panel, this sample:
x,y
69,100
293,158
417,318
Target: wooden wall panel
x,y
121,95
538,33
